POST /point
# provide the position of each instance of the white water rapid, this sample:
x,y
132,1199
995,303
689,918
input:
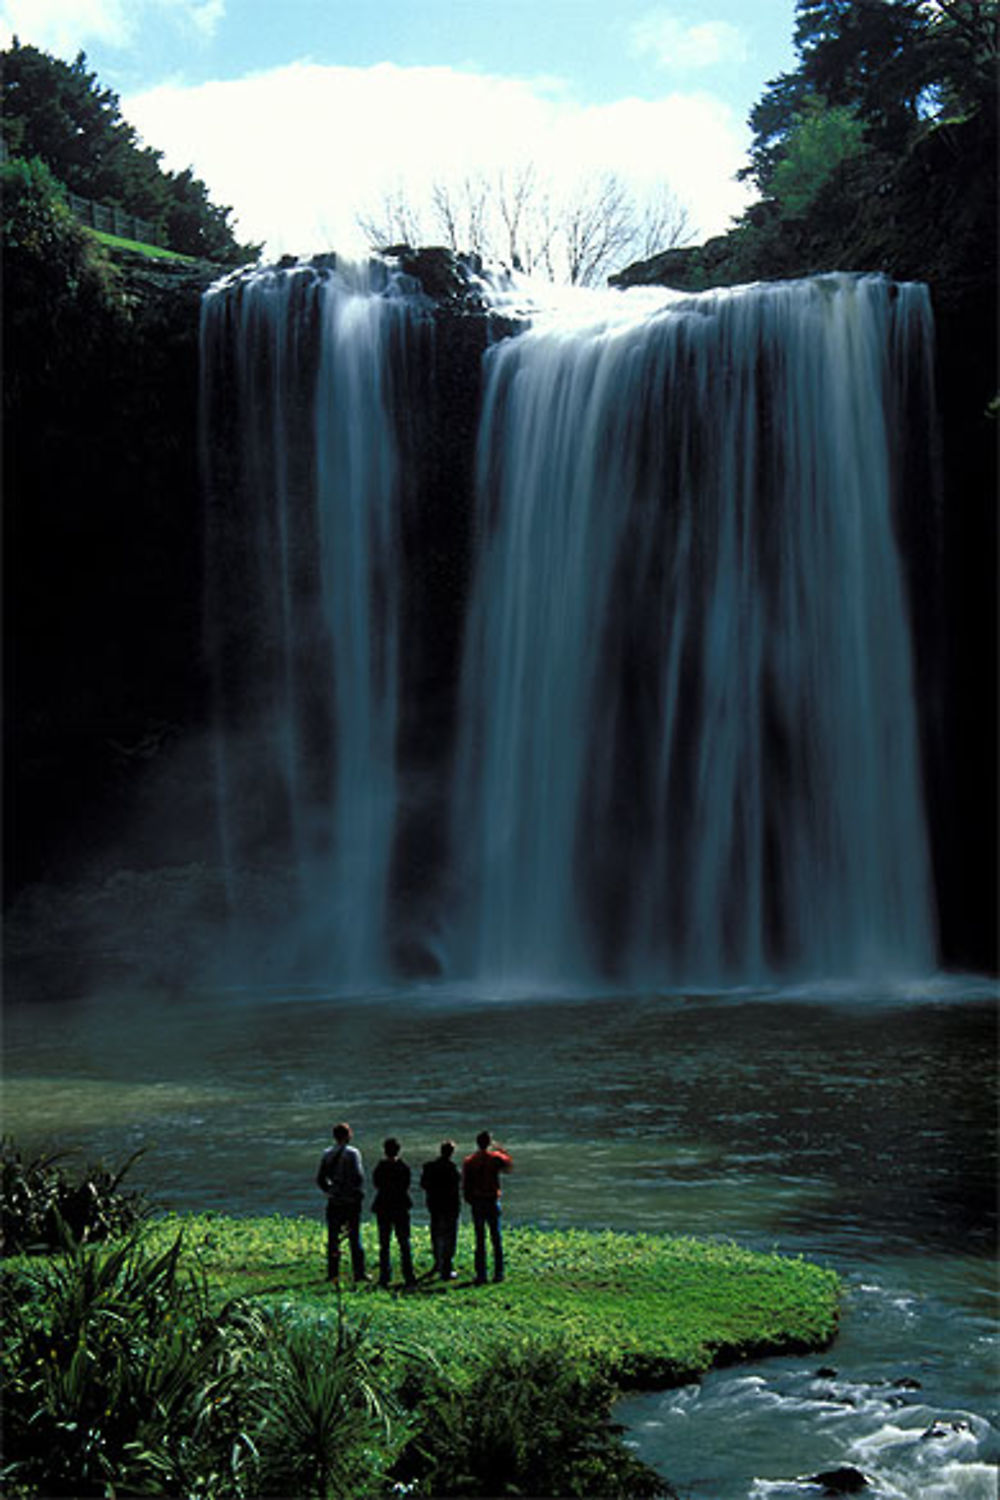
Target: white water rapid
x,y
684,746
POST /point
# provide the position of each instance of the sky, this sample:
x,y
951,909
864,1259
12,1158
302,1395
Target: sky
x,y
302,114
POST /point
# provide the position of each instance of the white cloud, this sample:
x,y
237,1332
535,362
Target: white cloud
x,y
206,16
674,44
297,151
65,27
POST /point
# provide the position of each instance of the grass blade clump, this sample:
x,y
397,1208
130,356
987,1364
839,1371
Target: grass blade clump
x,y
118,1374
533,1421
327,1412
40,1201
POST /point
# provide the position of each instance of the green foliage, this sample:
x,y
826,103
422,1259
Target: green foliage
x,y
154,252
35,216
900,61
534,1421
197,226
115,1373
640,1308
121,1372
872,55
878,152
39,229
895,64
59,113
209,1357
41,1205
64,299
329,1422
822,139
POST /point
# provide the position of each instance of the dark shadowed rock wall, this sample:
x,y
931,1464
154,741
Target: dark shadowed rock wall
x,y
102,562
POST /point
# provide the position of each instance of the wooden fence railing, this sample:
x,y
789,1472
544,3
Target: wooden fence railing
x,y
112,220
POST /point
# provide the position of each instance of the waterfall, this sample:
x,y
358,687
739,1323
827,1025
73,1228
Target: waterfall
x,y
304,585
691,742
682,747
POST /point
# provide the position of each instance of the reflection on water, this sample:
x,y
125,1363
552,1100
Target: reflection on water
x,y
838,1126
859,1131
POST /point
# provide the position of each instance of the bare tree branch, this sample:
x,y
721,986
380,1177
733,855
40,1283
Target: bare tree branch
x,y
515,189
394,221
517,218
461,212
665,224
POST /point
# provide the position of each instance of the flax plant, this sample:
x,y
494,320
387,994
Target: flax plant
x,y
117,1373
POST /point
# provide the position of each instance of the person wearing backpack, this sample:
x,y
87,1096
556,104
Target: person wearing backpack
x,y
341,1177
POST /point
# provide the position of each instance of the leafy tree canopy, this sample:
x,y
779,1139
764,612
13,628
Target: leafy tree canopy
x,y
896,64
822,138
58,113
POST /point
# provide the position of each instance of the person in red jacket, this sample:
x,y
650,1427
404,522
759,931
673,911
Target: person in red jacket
x,y
481,1190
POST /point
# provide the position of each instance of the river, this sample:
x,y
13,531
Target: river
x,y
856,1128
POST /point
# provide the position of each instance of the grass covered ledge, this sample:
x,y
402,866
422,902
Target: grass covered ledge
x,y
207,1356
644,1309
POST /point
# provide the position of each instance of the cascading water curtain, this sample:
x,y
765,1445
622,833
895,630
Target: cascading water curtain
x,y
690,747
303,373
686,747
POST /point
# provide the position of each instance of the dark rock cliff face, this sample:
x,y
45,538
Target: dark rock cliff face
x,y
107,753
102,565
962,747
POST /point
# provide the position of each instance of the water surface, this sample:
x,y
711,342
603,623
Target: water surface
x,y
855,1128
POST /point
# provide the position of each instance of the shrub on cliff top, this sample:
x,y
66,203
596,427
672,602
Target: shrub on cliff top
x,y
62,294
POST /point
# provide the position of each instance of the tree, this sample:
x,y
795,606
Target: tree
x,y
197,226
966,37
822,139
896,65
870,56
62,292
665,224
525,214
575,235
461,212
58,113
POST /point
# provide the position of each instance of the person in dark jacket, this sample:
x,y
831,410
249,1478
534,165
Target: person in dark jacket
x,y
481,1190
391,1207
440,1182
341,1177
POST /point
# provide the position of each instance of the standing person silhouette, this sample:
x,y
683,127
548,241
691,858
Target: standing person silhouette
x,y
391,1208
341,1177
440,1181
481,1190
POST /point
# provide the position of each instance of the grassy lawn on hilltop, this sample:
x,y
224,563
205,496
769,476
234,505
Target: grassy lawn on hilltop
x,y
155,252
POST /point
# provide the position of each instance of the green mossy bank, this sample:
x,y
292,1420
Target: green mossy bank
x,y
647,1310
209,1356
